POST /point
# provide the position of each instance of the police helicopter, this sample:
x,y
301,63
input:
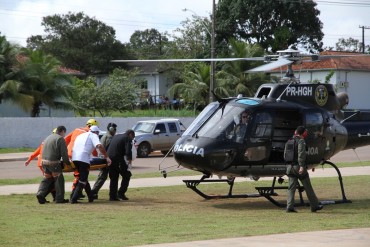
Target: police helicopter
x,y
219,142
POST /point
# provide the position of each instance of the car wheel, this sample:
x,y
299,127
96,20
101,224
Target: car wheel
x,y
143,150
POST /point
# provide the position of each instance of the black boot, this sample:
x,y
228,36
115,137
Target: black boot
x,y
43,190
76,193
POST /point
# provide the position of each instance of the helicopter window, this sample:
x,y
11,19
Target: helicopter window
x,y
263,92
222,124
314,123
263,125
202,117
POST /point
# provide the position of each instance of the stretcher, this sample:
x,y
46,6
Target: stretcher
x,y
95,164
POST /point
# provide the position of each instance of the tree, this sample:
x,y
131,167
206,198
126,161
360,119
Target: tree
x,y
193,39
36,80
117,93
350,45
7,58
149,43
80,42
195,89
272,24
232,79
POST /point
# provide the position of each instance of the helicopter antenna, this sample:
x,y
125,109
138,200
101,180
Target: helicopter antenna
x,y
279,98
349,117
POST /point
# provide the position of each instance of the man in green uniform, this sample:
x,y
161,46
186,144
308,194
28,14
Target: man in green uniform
x,y
297,169
103,175
54,149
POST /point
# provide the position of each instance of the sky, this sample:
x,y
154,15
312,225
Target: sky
x,y
19,19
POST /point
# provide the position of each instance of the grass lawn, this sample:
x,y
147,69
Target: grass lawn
x,y
174,214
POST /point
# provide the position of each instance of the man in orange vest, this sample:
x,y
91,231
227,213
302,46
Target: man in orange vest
x,y
38,153
70,140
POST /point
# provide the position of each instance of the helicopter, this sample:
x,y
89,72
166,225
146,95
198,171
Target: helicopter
x,y
211,145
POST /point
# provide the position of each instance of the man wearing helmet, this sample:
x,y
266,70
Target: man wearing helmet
x,y
103,175
70,140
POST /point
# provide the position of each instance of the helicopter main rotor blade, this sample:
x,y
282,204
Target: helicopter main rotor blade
x,y
270,66
191,60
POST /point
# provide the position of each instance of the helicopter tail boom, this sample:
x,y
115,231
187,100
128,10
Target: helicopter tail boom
x,y
357,124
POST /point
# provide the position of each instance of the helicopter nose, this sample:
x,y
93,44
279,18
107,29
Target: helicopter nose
x,y
199,159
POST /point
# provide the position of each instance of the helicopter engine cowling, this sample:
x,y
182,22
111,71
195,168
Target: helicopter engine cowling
x,y
343,99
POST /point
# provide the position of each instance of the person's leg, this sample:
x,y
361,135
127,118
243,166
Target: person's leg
x,y
113,186
314,202
44,186
102,177
126,176
83,170
57,171
293,183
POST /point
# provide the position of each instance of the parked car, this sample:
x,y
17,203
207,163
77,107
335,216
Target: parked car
x,y
151,135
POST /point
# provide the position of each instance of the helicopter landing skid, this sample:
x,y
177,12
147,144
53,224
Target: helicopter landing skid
x,y
344,198
192,184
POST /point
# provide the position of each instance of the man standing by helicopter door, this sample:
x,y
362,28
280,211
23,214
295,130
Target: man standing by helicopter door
x,y
295,157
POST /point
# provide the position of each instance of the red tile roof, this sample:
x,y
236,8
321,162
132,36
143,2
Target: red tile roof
x,y
70,71
344,61
22,59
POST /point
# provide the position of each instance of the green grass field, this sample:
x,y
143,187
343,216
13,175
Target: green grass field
x,y
174,214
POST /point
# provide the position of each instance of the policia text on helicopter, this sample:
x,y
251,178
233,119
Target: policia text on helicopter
x,y
295,157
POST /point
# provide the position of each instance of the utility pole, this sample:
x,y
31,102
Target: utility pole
x,y
212,73
363,37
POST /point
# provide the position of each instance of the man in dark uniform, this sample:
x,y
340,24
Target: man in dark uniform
x,y
54,149
103,174
120,146
297,169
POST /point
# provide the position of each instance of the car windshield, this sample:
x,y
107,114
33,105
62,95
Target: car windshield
x,y
144,127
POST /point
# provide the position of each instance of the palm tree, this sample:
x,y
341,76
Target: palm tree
x,y
37,80
7,59
233,80
196,86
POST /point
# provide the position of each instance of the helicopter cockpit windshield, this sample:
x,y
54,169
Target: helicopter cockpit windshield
x,y
227,123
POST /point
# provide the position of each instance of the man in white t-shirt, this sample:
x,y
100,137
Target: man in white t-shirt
x,y
84,144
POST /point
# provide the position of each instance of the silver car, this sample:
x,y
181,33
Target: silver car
x,y
151,135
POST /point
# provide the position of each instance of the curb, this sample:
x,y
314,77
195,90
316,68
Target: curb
x,y
12,159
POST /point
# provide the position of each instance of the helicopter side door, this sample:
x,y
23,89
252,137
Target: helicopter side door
x,y
286,121
260,137
316,141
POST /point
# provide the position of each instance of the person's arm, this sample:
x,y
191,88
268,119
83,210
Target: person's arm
x,y
33,155
301,156
104,153
128,151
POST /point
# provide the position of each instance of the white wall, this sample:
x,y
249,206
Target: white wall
x,y
30,132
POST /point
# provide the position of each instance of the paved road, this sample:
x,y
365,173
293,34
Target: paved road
x,y
12,165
